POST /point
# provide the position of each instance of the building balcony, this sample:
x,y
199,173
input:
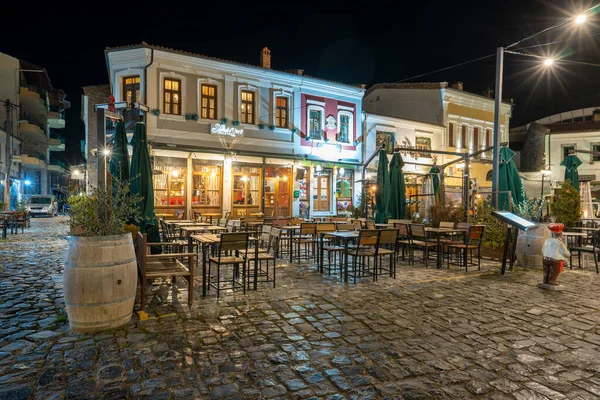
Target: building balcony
x,y
56,144
56,120
33,100
33,162
56,168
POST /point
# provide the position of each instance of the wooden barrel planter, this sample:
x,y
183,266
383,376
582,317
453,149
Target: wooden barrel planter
x,y
100,281
529,246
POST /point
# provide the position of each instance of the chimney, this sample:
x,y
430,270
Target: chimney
x,y
596,115
298,72
457,86
265,58
363,86
488,92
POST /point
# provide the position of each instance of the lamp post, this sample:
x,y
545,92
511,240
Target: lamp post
x,y
578,20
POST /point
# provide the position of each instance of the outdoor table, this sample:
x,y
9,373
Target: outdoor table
x,y
346,236
190,229
384,226
290,229
438,233
211,215
209,239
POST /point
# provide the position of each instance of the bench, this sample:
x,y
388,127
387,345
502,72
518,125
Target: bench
x,y
172,265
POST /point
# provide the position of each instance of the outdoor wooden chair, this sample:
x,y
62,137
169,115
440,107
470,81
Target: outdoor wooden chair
x,y
404,239
592,248
228,255
418,240
388,245
464,251
153,266
365,249
305,238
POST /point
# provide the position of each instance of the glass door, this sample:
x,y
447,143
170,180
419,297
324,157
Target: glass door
x,y
277,191
321,199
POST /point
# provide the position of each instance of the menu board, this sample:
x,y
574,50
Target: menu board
x,y
515,220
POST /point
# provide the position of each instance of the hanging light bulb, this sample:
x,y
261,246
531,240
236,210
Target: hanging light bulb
x,y
342,171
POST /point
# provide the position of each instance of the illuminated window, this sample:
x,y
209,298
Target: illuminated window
x,y
208,102
131,89
345,124
315,122
488,137
281,112
172,96
475,139
463,136
451,135
247,107
595,147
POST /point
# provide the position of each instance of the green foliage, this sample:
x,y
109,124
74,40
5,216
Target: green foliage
x,y
566,207
439,212
103,213
495,230
22,207
531,209
1,205
357,210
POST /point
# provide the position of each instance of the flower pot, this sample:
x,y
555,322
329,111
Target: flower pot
x,y
529,246
100,281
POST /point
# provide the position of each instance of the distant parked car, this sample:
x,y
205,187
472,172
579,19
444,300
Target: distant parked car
x,y
42,204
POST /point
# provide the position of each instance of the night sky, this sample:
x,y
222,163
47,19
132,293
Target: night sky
x,y
359,42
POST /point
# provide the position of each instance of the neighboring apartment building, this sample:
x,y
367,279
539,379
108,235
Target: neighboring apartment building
x,y
544,143
36,127
228,136
466,118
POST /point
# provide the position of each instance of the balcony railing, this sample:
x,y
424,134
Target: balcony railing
x,y
36,89
32,120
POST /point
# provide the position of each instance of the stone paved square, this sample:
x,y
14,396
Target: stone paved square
x,y
429,334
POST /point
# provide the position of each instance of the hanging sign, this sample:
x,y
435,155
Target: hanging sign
x,y
222,129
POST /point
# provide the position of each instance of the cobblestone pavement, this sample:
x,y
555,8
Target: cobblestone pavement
x,y
429,334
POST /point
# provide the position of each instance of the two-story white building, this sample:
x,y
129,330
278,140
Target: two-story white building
x,y
227,136
442,118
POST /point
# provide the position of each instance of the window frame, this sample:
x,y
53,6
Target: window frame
x,y
451,139
464,136
350,115
423,155
321,109
252,103
179,92
592,144
124,85
562,149
391,135
286,125
215,98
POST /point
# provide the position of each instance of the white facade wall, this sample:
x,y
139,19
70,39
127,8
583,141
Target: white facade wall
x,y
279,146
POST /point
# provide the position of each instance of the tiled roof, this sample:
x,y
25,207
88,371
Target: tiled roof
x,y
409,85
572,127
188,53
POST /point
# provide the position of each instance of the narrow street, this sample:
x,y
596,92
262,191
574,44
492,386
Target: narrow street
x,y
437,334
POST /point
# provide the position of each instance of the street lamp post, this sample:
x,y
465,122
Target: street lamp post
x,y
497,109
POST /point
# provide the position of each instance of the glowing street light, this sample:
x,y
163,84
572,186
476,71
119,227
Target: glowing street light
x,y
580,19
106,152
548,62
27,182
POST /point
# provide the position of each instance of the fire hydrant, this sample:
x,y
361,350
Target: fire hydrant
x,y
555,254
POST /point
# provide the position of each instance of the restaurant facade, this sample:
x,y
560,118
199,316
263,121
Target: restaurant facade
x,y
238,138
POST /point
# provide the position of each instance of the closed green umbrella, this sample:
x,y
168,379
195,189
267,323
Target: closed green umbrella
x,y
571,162
119,156
509,180
435,174
141,182
382,195
397,188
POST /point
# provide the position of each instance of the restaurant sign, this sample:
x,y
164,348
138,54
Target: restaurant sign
x,y
222,129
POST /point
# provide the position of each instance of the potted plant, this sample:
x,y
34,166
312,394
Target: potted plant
x,y
236,123
100,275
261,126
494,233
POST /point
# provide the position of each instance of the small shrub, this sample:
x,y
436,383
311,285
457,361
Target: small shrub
x,y
439,212
495,229
566,207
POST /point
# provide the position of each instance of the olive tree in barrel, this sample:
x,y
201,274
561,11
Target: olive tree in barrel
x,y
100,275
